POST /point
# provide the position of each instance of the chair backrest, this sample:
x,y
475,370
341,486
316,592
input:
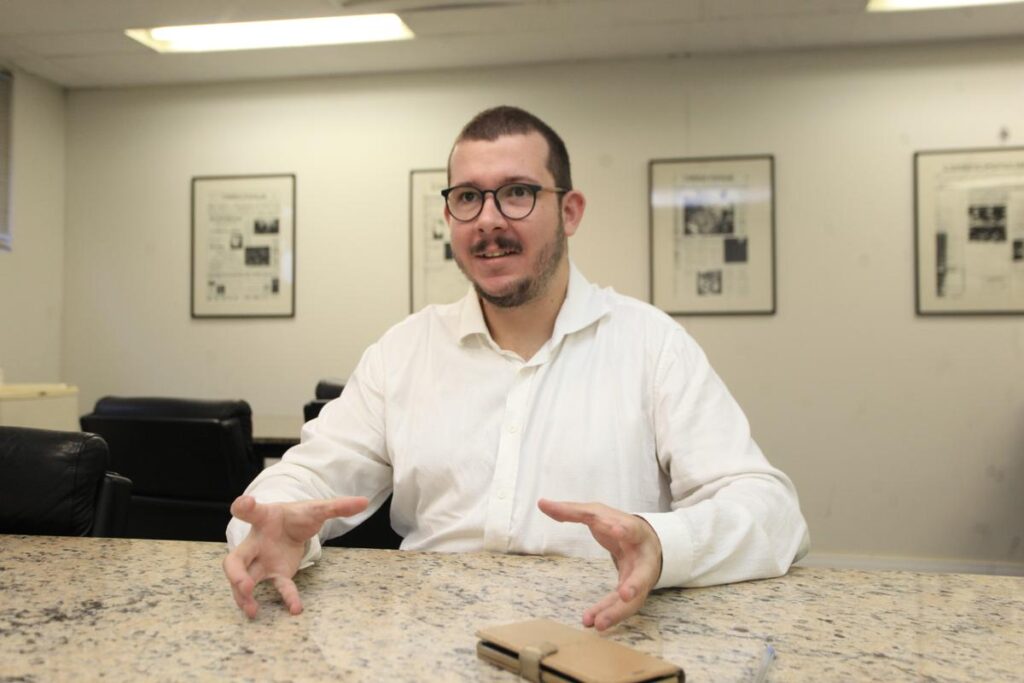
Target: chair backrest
x,y
326,391
375,531
329,388
57,483
178,448
188,459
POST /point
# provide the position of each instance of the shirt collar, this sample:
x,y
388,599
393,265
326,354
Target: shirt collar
x,y
584,305
471,316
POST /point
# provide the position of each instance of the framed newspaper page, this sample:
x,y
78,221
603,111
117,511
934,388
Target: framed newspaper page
x,y
712,235
243,246
434,276
969,231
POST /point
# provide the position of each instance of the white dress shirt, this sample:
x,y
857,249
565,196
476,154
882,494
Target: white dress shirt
x,y
620,407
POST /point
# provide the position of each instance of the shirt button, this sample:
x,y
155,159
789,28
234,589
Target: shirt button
x,y
502,495
512,429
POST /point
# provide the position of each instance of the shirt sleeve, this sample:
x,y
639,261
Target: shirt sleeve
x,y
734,517
342,452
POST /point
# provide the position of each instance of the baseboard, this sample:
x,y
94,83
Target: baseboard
x,y
913,564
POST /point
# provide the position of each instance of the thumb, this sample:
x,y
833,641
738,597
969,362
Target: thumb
x,y
343,506
319,511
248,510
304,518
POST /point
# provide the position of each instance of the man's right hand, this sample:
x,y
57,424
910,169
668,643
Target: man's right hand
x,y
276,544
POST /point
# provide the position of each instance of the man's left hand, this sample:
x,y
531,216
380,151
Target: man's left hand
x,y
635,550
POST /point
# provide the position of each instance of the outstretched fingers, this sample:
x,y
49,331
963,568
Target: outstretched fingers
x,y
566,512
634,548
612,609
635,579
599,518
305,518
590,614
242,584
339,507
640,560
638,573
248,510
274,546
289,593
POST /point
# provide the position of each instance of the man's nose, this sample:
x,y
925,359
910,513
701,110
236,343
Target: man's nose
x,y
490,216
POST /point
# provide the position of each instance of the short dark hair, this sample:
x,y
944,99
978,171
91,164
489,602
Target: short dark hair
x,y
493,123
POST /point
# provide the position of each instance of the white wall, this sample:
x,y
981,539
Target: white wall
x,y
32,275
905,435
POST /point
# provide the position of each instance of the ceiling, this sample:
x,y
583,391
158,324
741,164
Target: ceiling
x,y
81,44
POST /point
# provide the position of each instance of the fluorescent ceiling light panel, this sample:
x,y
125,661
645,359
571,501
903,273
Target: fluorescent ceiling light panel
x,y
256,35
907,5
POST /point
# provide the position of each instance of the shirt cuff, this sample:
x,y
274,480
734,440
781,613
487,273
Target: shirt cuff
x,y
236,532
313,552
676,547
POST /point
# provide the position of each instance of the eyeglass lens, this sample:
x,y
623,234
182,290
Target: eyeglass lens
x,y
514,201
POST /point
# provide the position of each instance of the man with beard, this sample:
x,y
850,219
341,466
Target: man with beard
x,y
537,399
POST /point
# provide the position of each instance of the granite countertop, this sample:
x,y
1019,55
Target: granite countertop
x,y
129,610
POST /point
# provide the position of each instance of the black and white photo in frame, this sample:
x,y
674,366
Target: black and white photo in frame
x,y
712,235
434,277
969,231
243,246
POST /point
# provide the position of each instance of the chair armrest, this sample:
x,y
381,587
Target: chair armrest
x,y
313,408
112,504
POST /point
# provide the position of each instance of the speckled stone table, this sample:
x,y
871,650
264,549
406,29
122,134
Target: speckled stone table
x,y
129,610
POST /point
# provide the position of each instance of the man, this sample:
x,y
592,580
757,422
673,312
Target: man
x,y
495,418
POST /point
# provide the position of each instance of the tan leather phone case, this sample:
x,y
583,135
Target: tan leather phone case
x,y
541,650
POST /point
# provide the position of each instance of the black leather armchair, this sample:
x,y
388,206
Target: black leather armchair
x,y
188,460
57,483
326,390
376,531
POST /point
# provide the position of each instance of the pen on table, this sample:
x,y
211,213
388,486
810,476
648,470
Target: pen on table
x,y
767,659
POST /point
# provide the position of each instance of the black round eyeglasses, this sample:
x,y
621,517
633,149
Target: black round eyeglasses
x,y
514,201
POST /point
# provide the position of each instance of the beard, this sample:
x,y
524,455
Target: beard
x,y
528,287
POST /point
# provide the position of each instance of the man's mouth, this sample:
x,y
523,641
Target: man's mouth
x,y
498,248
497,253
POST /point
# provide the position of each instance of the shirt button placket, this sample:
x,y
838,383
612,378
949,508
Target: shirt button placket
x,y
497,529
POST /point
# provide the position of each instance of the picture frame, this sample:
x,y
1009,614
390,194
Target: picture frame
x,y
712,235
434,277
243,246
969,231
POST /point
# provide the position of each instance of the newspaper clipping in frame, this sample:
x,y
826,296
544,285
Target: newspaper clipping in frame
x,y
243,246
970,231
435,277
712,235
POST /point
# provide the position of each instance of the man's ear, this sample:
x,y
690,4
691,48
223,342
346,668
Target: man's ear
x,y
573,206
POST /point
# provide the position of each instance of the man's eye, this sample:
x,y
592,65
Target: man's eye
x,y
518,191
468,196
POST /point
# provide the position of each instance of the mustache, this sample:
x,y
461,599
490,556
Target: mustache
x,y
503,242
